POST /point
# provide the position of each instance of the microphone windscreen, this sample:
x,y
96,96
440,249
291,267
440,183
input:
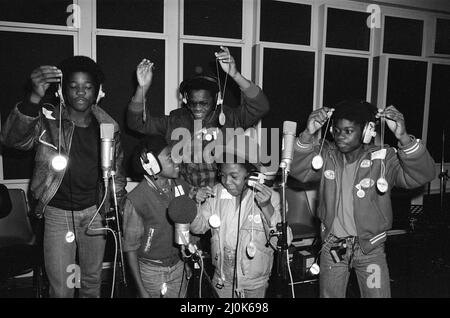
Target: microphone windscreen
x,y
182,210
106,131
289,127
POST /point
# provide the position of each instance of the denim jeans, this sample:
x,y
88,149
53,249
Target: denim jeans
x,y
226,287
154,276
226,291
371,270
63,273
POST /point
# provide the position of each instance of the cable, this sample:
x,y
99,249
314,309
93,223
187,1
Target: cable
x,y
144,111
290,275
235,282
201,276
114,236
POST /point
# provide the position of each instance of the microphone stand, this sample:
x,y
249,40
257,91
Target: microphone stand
x,y
191,251
281,280
118,232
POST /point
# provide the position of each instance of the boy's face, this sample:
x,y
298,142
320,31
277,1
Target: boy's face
x,y
233,178
170,169
347,135
200,103
80,91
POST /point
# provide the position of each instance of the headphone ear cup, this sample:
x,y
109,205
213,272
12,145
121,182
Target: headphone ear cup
x,y
150,163
100,95
368,132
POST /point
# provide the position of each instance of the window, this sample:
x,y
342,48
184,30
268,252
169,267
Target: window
x,y
119,57
347,30
439,117
285,22
55,12
215,18
132,15
406,91
288,82
442,44
26,51
403,36
338,86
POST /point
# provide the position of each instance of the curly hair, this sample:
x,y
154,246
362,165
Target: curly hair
x,y
357,111
83,64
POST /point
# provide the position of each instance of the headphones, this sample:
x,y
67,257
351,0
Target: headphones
x,y
101,94
150,163
185,86
367,134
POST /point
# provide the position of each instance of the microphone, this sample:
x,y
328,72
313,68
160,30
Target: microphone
x,y
182,211
287,148
106,149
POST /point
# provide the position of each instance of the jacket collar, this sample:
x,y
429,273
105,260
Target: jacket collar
x,y
102,116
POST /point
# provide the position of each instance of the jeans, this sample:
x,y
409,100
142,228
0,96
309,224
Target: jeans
x,y
226,291
371,270
154,276
225,288
60,256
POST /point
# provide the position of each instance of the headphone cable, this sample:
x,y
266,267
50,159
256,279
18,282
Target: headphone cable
x,y
235,278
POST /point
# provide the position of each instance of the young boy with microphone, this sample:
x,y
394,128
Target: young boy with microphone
x,y
355,181
150,242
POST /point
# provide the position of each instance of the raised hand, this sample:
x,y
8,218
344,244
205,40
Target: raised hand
x,y
317,119
227,61
144,73
263,194
395,121
41,78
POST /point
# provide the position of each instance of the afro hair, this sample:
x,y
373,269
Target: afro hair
x,y
83,64
198,82
357,111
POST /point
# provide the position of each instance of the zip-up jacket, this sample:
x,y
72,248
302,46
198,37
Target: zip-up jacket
x,y
410,166
39,128
251,272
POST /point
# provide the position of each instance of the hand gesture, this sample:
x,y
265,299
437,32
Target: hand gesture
x,y
263,194
227,61
203,194
144,73
41,78
395,121
317,119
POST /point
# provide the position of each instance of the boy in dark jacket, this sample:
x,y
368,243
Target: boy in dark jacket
x,y
66,181
354,194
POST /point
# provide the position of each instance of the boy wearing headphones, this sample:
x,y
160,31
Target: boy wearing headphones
x,y
240,215
153,257
67,195
201,99
355,181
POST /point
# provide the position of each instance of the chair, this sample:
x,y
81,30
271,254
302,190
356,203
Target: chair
x,y
19,252
300,212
